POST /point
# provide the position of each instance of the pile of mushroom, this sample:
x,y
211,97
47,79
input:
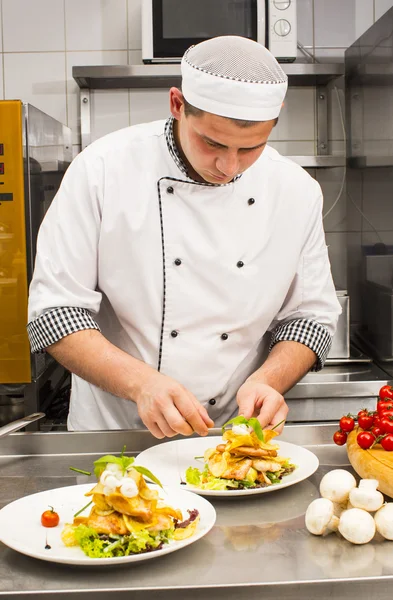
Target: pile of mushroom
x,y
356,512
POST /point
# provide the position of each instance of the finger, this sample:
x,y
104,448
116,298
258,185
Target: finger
x,y
164,426
279,417
155,430
176,421
204,414
246,403
272,403
189,411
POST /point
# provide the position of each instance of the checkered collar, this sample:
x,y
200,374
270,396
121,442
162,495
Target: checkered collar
x,y
174,152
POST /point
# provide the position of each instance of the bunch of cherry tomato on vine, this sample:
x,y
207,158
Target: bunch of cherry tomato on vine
x,y
377,425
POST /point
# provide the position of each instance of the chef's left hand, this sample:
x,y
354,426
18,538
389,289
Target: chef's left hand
x,y
262,401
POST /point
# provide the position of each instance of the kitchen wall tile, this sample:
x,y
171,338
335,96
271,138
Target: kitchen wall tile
x,y
305,33
337,147
75,150
334,23
364,16
1,27
33,26
381,6
337,247
297,115
331,182
96,24
148,105
134,24
108,57
110,112
336,110
38,78
135,57
1,77
330,55
354,272
354,191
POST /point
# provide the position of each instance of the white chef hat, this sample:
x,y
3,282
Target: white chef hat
x,y
233,77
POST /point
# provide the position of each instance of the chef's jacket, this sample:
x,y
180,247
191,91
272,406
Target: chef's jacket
x,y
194,279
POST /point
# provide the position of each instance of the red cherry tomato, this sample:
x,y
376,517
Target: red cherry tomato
x,y
386,391
377,431
365,439
362,412
339,438
384,405
386,413
387,424
347,423
366,421
387,442
50,518
377,421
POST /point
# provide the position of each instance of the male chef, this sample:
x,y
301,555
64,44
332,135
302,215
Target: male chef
x,y
182,273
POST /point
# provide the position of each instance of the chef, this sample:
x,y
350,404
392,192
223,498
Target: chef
x,y
182,273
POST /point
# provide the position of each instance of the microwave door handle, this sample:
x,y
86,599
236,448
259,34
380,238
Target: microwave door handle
x,y
262,10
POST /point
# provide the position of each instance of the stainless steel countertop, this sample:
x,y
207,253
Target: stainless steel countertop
x,y
258,546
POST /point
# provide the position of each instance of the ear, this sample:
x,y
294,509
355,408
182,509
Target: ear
x,y
176,103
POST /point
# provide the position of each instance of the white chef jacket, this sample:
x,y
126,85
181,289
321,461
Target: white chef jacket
x,y
191,278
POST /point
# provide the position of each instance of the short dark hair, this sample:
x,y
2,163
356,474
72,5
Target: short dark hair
x,y
189,109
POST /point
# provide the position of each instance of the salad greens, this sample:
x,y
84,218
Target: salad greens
x,y
206,481
253,423
97,545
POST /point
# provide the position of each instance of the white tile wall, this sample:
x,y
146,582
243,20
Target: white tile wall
x,y
38,78
36,26
134,24
96,24
1,78
381,6
1,26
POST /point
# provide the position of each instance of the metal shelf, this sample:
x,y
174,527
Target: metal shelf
x,y
159,76
362,162
319,161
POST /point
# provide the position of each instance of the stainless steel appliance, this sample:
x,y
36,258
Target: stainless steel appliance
x,y
35,150
169,27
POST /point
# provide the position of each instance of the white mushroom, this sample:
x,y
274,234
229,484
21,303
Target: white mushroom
x,y
384,521
366,496
320,517
336,485
357,526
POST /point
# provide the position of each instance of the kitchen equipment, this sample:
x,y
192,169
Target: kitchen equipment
x,y
20,423
340,345
35,151
169,27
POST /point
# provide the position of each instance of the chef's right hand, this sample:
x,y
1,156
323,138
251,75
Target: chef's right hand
x,y
167,408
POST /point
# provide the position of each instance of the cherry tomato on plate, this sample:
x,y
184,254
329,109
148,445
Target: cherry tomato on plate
x,y
339,438
366,421
347,423
50,518
384,405
365,439
386,391
387,442
387,424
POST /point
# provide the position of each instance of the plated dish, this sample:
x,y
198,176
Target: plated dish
x,y
241,463
127,519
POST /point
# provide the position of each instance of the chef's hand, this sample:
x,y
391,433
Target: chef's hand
x,y
167,408
264,402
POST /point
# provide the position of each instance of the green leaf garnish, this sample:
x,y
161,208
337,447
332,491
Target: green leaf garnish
x,y
123,461
253,423
82,509
148,474
79,471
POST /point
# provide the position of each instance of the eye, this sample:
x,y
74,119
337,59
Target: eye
x,y
211,144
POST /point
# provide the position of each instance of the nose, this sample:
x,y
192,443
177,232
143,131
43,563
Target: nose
x,y
228,164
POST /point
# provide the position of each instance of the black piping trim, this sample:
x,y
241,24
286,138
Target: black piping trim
x,y
163,255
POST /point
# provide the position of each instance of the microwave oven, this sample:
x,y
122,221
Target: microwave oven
x,y
170,27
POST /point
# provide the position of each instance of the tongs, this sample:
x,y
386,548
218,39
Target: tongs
x,y
15,425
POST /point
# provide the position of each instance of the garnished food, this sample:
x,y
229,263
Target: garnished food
x,y
245,460
127,516
50,518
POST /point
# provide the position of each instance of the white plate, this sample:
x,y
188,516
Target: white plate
x,y
169,462
21,529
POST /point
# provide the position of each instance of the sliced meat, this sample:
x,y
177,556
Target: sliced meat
x,y
112,523
247,451
237,470
265,465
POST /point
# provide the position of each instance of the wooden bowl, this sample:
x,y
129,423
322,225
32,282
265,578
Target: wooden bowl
x,y
375,463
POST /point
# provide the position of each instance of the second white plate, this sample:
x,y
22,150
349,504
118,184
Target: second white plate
x,y
169,462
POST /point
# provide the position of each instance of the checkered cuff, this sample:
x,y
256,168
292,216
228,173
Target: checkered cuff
x,y
310,333
53,325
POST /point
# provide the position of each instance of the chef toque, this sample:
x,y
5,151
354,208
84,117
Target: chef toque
x,y
233,77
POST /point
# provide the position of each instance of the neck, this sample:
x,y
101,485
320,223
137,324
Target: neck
x,y
193,174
